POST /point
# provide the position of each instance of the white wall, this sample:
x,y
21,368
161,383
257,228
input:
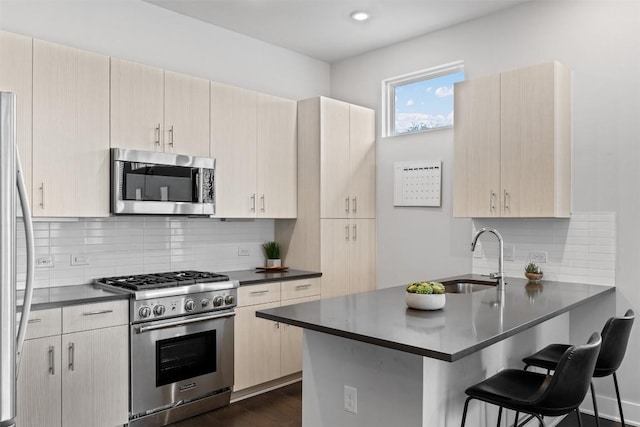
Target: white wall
x,y
600,42
142,32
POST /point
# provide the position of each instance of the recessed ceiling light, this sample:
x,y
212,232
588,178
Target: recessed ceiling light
x,y
359,16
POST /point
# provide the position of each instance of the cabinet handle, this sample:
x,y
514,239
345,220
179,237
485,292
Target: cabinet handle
x,y
71,355
253,202
158,135
308,285
347,204
265,291
355,232
52,362
42,193
346,230
355,204
93,313
492,200
506,205
34,321
262,203
171,136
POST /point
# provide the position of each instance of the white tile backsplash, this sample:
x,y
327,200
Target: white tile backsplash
x,y
579,249
141,244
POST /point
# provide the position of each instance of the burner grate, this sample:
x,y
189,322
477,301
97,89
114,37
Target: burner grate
x,y
162,280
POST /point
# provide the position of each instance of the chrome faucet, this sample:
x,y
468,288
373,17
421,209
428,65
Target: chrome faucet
x,y
500,274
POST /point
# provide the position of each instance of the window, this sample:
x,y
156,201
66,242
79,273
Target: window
x,y
420,101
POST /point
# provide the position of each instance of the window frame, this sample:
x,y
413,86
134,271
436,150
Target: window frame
x,y
388,94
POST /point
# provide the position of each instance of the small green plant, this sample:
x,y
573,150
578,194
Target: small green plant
x,y
532,267
425,288
271,250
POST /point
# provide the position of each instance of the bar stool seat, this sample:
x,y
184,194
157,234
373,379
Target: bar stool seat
x,y
615,336
538,394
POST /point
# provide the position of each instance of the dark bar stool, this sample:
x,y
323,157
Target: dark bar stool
x,y
538,394
615,336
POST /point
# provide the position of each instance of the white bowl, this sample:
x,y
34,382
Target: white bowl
x,y
425,301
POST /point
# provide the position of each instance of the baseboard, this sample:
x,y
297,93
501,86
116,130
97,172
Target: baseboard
x,y
265,387
608,408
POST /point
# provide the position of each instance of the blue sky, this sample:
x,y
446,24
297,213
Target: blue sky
x,y
428,102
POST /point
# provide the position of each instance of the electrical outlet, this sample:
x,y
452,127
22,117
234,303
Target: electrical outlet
x,y
44,261
79,259
539,257
351,399
243,252
509,252
477,253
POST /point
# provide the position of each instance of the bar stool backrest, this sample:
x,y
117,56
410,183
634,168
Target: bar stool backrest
x,y
615,336
569,384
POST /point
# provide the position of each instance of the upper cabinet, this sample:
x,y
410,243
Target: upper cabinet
x,y
16,76
157,110
512,144
347,156
253,139
70,132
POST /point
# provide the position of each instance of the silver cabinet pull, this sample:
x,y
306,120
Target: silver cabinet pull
x,y
506,204
52,366
93,313
346,231
253,202
42,193
347,204
355,232
265,291
171,136
34,321
355,204
492,200
158,135
71,356
262,203
305,286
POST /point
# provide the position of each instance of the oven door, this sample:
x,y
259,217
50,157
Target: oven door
x,y
180,359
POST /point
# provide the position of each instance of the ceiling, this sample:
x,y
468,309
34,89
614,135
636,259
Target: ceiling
x,y
323,29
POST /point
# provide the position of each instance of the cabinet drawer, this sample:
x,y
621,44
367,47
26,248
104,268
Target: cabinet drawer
x,y
300,288
258,294
93,316
44,323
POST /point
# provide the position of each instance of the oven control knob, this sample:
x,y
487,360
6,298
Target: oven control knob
x,y
190,305
158,310
144,311
217,301
229,299
204,302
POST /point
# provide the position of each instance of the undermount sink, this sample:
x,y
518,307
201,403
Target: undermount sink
x,y
466,286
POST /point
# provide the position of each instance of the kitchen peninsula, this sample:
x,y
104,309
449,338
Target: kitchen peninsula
x,y
411,367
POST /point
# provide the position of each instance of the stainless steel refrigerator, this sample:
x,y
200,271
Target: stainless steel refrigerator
x,y
11,189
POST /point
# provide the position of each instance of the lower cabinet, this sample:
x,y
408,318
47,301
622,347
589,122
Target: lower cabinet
x,y
75,367
267,350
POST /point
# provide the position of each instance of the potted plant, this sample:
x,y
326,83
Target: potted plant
x,y
533,272
272,252
425,295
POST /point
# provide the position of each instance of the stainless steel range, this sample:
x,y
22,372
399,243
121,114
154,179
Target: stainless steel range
x,y
181,336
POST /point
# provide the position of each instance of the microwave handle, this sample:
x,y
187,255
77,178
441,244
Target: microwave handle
x,y
200,185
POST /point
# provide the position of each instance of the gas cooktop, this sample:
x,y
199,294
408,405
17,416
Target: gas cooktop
x,y
141,282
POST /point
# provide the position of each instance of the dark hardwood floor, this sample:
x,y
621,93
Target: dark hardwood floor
x,y
283,408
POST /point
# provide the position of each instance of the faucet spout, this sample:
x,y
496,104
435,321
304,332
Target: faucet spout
x,y
500,274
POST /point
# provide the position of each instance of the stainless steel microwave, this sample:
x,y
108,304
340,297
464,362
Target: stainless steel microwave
x,y
147,182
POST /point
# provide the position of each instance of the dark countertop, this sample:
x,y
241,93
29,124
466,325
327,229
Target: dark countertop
x,y
468,322
253,277
83,294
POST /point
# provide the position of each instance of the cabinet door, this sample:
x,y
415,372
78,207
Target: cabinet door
x,y
186,114
256,347
16,76
137,103
362,271
70,131
39,382
95,381
362,157
528,141
476,172
291,342
276,144
233,145
335,242
335,171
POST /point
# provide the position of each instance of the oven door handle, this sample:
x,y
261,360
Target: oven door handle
x,y
143,329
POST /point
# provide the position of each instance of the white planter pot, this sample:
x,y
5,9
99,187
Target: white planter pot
x,y
425,301
274,263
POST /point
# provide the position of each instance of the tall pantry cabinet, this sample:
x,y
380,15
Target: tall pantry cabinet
x,y
335,231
